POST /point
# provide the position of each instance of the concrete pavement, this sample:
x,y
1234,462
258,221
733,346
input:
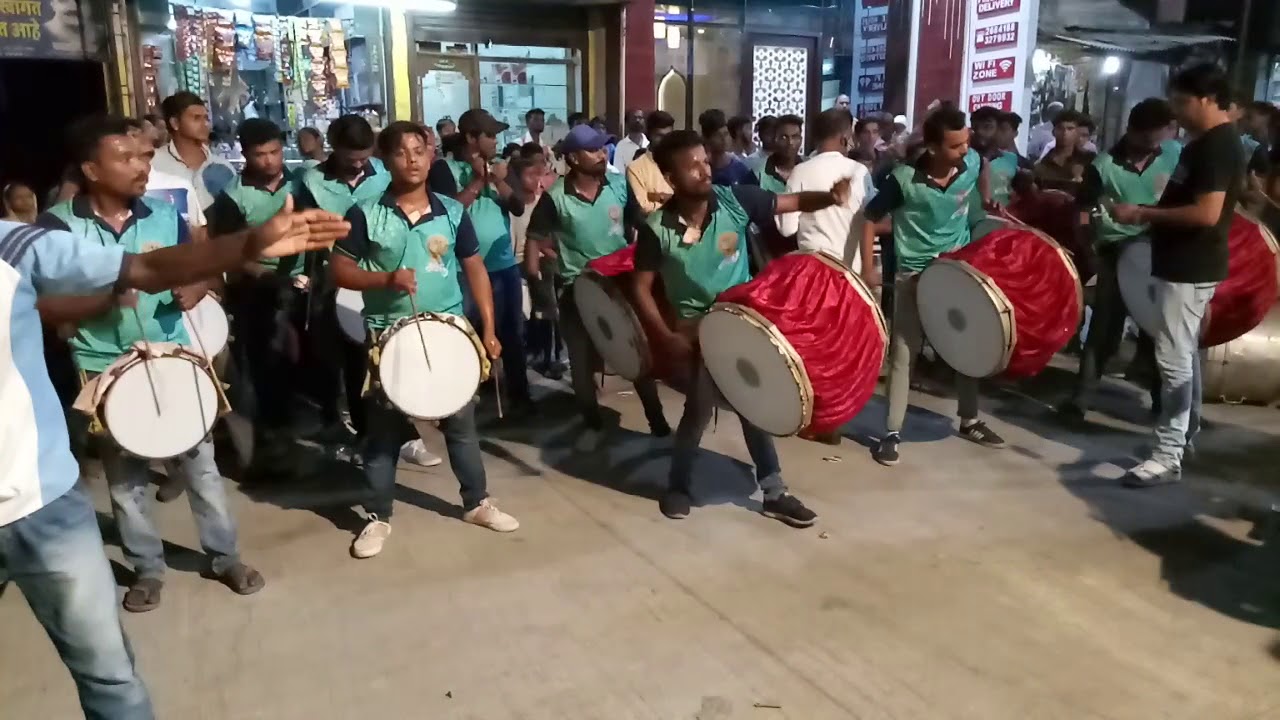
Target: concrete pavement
x,y
1019,584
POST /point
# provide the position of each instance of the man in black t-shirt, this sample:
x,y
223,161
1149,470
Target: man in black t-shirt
x,y
1189,228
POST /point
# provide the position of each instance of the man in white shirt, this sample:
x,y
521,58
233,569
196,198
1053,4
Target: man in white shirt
x,y
829,230
1041,135
633,143
187,154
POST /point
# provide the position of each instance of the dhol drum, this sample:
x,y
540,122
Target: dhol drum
x,y
1003,304
1055,213
1240,302
186,391
1247,369
798,348
439,381
350,306
988,225
207,328
603,296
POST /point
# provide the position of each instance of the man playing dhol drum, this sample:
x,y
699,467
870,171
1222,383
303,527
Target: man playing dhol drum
x,y
578,220
1189,253
113,212
697,242
931,203
405,251
1134,171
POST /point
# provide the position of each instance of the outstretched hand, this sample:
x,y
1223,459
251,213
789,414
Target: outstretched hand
x,y
290,232
841,191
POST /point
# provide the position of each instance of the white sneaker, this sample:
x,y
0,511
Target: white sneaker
x,y
371,539
486,514
588,441
1151,474
415,451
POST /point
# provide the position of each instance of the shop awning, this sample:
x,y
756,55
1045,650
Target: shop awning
x,y
1153,41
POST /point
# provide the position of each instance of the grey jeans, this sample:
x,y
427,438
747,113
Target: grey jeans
x,y
1182,308
904,345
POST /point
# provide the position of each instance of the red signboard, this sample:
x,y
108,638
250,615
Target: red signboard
x,y
1001,100
993,69
875,26
988,8
872,54
865,109
996,36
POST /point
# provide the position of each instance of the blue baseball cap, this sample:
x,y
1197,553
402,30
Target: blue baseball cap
x,y
584,137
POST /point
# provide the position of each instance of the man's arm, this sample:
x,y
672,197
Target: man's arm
x,y
1203,212
887,199
543,224
648,264
349,251
789,223
984,181
466,247
440,179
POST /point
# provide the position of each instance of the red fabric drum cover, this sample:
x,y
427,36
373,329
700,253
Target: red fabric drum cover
x,y
620,265
832,322
1244,298
1040,283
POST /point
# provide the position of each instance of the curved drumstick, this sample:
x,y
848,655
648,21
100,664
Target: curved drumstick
x,y
208,361
413,303
146,360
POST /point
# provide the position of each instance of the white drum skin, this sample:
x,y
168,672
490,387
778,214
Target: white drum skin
x,y
613,326
350,305
437,390
968,320
189,404
207,328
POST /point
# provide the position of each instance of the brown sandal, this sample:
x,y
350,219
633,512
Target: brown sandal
x,y
143,595
242,579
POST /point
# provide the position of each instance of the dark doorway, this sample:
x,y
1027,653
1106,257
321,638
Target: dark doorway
x,y
38,100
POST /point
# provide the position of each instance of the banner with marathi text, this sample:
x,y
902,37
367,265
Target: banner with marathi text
x,y
45,29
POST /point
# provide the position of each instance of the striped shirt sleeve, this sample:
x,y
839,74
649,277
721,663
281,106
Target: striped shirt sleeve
x,y
60,263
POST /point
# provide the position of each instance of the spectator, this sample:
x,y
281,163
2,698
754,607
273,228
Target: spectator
x,y
726,169
629,147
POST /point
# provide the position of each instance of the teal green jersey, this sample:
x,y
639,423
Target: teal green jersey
x,y
320,187
769,179
243,205
584,229
1001,170
697,264
1113,179
488,214
154,224
383,240
928,219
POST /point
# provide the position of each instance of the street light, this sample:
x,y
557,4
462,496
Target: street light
x,y
1111,65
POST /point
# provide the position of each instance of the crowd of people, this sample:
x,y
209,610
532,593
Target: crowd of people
x,y
442,221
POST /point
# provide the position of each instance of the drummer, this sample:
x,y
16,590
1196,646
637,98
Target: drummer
x,y
1134,171
697,242
112,210
579,219
386,256
268,300
931,202
1189,253
1002,165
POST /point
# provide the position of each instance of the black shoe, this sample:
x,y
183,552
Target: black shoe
x,y
979,432
675,504
1071,412
886,453
659,429
789,510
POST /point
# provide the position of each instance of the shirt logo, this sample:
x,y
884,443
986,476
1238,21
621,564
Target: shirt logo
x,y
436,246
615,220
727,242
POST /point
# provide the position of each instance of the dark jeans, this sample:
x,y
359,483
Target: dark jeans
x,y
388,429
1106,325
508,318
267,312
699,406
542,334
339,365
888,273
55,557
583,361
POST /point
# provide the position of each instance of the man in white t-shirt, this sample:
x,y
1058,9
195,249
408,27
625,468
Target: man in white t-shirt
x,y
829,230
633,143
187,154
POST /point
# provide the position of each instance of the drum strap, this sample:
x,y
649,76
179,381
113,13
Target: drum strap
x,y
96,428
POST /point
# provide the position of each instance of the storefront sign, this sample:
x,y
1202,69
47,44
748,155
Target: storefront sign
x,y
992,70
874,26
996,36
872,54
875,3
991,8
864,109
40,29
1001,100
873,83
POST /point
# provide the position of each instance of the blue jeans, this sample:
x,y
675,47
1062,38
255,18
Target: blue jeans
x,y
128,479
1182,308
389,429
55,557
508,318
699,405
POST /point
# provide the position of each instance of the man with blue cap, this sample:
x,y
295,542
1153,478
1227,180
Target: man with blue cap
x,y
579,219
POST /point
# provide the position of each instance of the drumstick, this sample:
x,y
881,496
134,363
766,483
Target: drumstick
x,y
146,361
208,361
497,384
413,303
306,265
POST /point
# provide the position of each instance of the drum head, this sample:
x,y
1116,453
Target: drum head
x,y
429,391
613,326
969,322
756,369
207,323
188,408
1137,287
350,305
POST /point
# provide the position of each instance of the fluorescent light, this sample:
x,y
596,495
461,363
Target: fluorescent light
x,y
673,37
423,6
659,30
1111,65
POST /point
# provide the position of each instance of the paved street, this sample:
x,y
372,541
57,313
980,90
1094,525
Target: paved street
x,y
1020,584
